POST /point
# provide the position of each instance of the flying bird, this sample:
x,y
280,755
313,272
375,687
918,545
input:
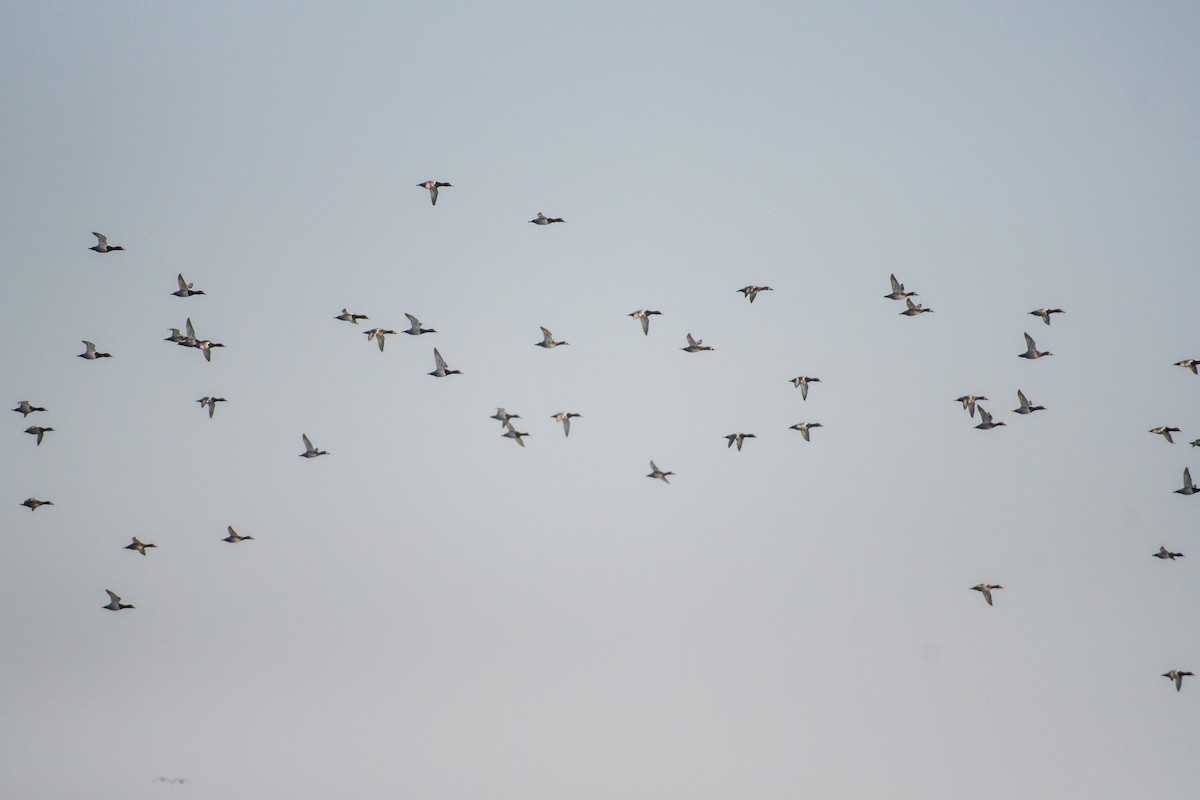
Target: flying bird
x,y
1164,553
346,316
1188,487
805,427
644,316
309,450
694,345
986,423
234,537
440,370
102,245
1177,676
802,383
969,400
1025,408
138,545
542,219
1188,363
206,347
565,418
504,416
185,289
1031,350
513,433
90,353
914,309
655,472
415,328
432,186
38,431
114,602
548,340
986,588
210,403
26,409
33,504
898,292
1165,432
752,291
377,334
1045,313
738,438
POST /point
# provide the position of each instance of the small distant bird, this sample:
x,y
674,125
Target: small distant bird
x,y
1025,408
33,503
1031,350
986,424
738,438
102,245
346,316
986,588
969,400
802,383
644,316
1195,442
542,219
898,292
1177,676
432,186
805,427
38,431
565,418
377,334
309,450
752,291
504,416
234,537
210,403
548,340
655,472
694,345
440,370
415,328
1188,363
1188,487
914,309
90,353
138,545
1165,432
114,602
185,289
26,409
205,346
1165,553
1045,313
169,780
513,433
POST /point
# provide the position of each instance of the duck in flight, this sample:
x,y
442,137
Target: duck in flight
x,y
914,309
1189,363
565,418
185,289
26,409
377,334
986,423
1164,553
414,328
1031,350
205,346
1045,313
752,291
309,450
968,402
433,187
513,433
805,427
210,403
440,369
898,292
655,472
33,504
1025,408
1177,676
346,316
644,316
234,537
114,602
102,245
802,383
138,545
1165,432
548,340
986,589
90,353
694,345
38,431
504,416
542,219
738,438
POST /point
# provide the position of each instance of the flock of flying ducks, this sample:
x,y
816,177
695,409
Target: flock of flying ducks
x,y
969,402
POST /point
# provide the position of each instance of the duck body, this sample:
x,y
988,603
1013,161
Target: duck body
x,y
38,431
644,317
1165,432
655,472
90,353
914,309
26,409
433,187
377,334
138,545
802,383
694,345
751,292
33,504
440,370
234,537
415,328
542,219
565,418
968,402
210,403
738,438
548,341
114,602
1025,407
346,316
898,292
1031,351
986,590
805,427
1177,676
1045,313
309,450
986,423
102,245
185,289
1164,553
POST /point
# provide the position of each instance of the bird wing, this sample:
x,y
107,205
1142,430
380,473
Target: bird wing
x,y
1187,478
1029,342
1021,398
191,332
433,194
183,285
897,286
437,358
692,342
111,595
984,415
102,241
546,337
987,595
307,444
566,425
416,323
804,390
645,324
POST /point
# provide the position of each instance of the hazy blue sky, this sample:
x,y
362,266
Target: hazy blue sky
x,y
434,612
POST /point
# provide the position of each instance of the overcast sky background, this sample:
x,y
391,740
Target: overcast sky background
x,y
431,611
